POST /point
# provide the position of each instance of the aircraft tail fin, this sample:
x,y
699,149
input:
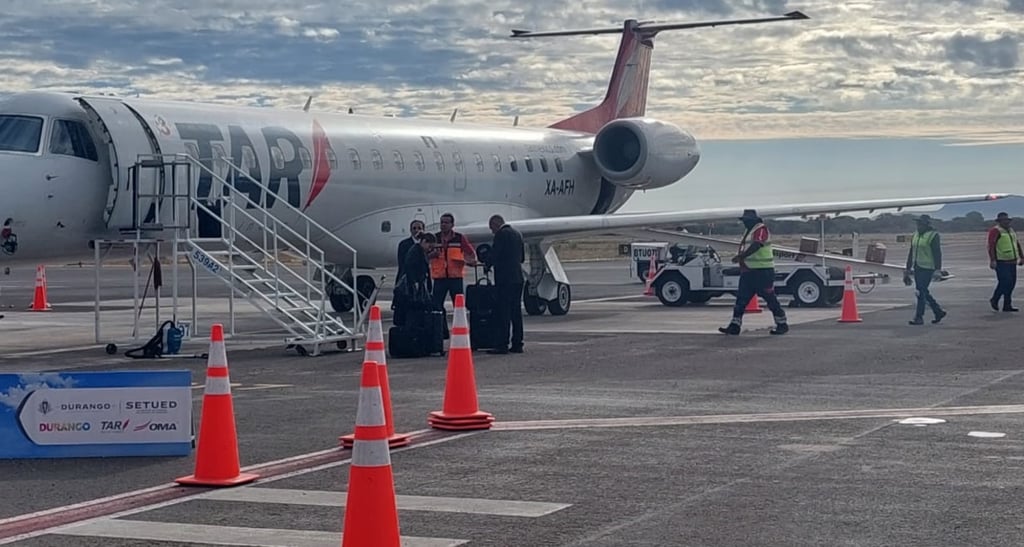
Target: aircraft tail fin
x,y
627,89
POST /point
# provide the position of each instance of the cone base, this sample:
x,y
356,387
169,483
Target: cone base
x,y
855,320
462,422
395,441
192,480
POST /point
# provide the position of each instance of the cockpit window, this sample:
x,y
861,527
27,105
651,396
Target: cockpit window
x,y
20,133
72,139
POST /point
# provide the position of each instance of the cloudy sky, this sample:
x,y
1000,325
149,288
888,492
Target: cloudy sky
x,y
941,78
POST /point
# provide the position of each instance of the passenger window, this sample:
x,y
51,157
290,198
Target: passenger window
x,y
72,139
192,150
278,156
220,161
332,159
512,164
440,161
497,164
399,162
20,133
529,163
354,155
378,160
248,158
307,162
544,164
479,162
420,164
458,161
558,164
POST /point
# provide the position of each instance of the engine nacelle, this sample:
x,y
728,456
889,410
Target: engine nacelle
x,y
644,153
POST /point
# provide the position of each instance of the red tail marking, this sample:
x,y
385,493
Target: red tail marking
x,y
321,167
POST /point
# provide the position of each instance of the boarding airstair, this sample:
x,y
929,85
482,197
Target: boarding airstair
x,y
274,257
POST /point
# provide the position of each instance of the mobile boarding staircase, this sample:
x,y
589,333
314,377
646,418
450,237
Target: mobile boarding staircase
x,y
255,253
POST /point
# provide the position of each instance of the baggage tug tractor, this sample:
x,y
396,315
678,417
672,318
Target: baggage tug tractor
x,y
695,275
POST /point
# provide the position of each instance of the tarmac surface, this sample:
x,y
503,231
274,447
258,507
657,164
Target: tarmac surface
x,y
624,423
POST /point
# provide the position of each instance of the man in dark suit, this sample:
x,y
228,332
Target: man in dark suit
x,y
416,228
507,257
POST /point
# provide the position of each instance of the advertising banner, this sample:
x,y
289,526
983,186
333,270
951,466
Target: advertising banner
x,y
95,414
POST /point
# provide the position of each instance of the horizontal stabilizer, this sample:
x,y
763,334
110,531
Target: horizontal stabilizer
x,y
654,27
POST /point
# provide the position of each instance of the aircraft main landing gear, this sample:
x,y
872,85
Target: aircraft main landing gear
x,y
547,287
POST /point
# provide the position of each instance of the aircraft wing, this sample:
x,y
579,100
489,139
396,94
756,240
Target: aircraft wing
x,y
572,226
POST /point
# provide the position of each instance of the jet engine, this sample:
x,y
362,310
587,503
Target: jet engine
x,y
644,153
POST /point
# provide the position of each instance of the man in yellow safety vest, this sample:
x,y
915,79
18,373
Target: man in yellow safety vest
x,y
1004,255
757,275
923,260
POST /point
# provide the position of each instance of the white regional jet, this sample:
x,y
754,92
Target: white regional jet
x,y
65,160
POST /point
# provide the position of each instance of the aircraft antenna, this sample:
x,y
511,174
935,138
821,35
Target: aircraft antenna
x,y
308,102
515,122
650,28
454,113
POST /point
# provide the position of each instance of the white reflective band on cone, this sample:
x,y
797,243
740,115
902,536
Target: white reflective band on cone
x,y
371,407
459,341
377,356
218,358
216,385
371,453
375,332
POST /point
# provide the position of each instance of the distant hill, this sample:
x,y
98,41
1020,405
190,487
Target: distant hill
x,y
988,209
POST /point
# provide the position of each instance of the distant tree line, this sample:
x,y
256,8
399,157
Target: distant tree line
x,y
882,224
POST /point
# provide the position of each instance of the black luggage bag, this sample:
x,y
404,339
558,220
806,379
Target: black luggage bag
x,y
482,308
420,336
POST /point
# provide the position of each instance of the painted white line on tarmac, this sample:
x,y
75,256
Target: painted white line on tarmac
x,y
141,509
229,535
641,421
504,508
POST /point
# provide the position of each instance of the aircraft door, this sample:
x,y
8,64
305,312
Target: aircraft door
x,y
127,137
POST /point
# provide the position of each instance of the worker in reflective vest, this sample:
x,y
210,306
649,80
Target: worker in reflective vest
x,y
452,253
757,275
1004,254
923,260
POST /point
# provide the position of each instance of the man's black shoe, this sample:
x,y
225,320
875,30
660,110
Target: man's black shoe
x,y
938,316
733,329
517,349
1004,309
498,351
994,302
780,329
916,321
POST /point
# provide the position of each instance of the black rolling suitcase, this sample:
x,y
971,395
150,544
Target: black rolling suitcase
x,y
482,307
420,336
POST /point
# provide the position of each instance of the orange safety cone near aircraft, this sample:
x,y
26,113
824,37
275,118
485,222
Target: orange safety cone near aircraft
x,y
81,171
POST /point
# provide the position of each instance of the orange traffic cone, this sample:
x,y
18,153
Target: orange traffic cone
x,y
217,453
375,352
39,301
371,508
753,306
652,270
849,314
460,404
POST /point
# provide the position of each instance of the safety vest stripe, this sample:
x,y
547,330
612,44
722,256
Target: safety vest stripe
x,y
374,453
218,385
371,408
